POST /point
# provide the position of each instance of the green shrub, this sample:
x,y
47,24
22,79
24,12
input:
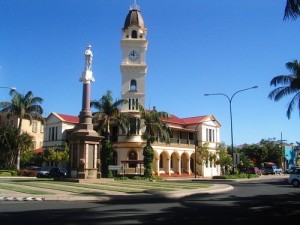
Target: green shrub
x,y
121,178
8,173
158,178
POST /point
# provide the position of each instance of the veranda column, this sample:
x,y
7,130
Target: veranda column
x,y
179,166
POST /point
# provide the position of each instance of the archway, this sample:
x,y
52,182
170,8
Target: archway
x,y
175,158
185,166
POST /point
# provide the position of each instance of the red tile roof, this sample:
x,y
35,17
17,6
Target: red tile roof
x,y
193,120
174,119
39,150
184,121
69,118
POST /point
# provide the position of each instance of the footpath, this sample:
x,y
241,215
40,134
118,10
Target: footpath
x,y
216,186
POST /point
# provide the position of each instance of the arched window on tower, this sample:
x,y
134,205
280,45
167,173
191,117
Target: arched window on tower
x,y
129,104
133,86
134,34
133,104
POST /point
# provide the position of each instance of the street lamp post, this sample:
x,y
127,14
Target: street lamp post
x,y
283,163
231,129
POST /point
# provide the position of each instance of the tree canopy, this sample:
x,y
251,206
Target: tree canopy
x,y
292,9
24,107
290,85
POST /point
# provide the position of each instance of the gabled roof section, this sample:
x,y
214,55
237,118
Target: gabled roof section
x,y
185,121
66,118
193,120
189,120
174,119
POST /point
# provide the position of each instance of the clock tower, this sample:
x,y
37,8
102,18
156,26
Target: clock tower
x,y
133,66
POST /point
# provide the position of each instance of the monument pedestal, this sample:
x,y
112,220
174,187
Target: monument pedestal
x,y
85,153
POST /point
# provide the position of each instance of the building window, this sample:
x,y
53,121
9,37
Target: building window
x,y
133,104
42,128
49,134
56,133
134,126
129,104
133,86
134,34
210,135
52,136
34,126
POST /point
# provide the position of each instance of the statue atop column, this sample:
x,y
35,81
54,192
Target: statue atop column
x,y
88,55
87,74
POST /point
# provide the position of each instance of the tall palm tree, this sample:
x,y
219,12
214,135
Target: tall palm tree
x,y
24,107
292,9
152,123
108,111
291,85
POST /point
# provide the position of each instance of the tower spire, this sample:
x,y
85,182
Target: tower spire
x,y
135,6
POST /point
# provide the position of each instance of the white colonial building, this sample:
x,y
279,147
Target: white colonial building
x,y
176,158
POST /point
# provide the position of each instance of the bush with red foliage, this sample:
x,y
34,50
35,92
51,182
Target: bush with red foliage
x,y
27,173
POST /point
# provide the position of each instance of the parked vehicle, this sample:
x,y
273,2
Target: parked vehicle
x,y
291,169
270,168
40,172
255,170
294,178
57,172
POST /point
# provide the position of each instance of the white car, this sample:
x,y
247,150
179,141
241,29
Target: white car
x,y
40,172
294,178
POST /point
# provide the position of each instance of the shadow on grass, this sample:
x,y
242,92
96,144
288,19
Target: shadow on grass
x,y
222,209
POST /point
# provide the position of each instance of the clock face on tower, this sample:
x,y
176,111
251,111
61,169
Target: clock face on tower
x,y
133,55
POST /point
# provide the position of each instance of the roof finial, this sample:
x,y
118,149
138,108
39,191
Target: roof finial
x,y
134,6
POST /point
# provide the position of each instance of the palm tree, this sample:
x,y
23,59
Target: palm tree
x,y
153,124
24,107
292,9
291,85
108,111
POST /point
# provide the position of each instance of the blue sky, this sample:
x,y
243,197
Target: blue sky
x,y
195,47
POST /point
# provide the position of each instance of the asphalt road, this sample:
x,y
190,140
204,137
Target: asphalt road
x,y
270,201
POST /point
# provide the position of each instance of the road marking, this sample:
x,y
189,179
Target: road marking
x,y
22,199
